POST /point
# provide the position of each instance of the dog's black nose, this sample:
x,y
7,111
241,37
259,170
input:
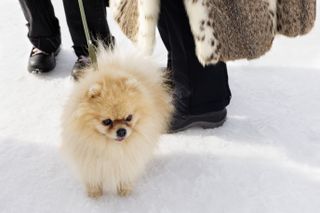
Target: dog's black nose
x,y
121,132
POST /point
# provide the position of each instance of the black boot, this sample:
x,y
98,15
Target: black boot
x,y
41,62
208,120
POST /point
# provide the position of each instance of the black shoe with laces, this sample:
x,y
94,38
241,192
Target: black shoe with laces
x,y
181,122
41,62
79,66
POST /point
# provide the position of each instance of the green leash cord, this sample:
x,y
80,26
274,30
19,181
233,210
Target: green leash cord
x,y
91,47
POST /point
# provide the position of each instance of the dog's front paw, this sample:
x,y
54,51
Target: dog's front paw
x,y
94,191
124,189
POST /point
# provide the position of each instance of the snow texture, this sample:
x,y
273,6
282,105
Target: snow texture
x,y
264,159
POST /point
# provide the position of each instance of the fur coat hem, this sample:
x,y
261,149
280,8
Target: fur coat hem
x,y
223,30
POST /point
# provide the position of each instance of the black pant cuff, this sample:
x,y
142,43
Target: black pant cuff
x,y
48,44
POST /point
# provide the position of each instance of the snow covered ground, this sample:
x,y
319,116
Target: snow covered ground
x,y
264,159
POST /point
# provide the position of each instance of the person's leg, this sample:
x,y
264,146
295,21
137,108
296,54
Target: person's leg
x,y
176,55
198,90
211,90
43,26
96,15
43,33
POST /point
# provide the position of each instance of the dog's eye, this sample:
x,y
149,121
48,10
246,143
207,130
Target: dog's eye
x,y
107,122
129,118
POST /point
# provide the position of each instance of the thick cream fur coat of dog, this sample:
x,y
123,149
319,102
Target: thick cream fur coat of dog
x,y
222,29
126,91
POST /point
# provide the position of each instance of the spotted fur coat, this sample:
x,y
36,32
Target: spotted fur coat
x,y
223,30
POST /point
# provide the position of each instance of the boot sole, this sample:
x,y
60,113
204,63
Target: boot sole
x,y
201,124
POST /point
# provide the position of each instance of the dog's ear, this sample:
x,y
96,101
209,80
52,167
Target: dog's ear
x,y
94,90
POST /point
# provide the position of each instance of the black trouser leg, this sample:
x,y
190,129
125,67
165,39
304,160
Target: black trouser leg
x,y
96,15
44,30
198,89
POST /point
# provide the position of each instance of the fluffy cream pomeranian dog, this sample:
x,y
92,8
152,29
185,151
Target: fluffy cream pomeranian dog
x,y
113,119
